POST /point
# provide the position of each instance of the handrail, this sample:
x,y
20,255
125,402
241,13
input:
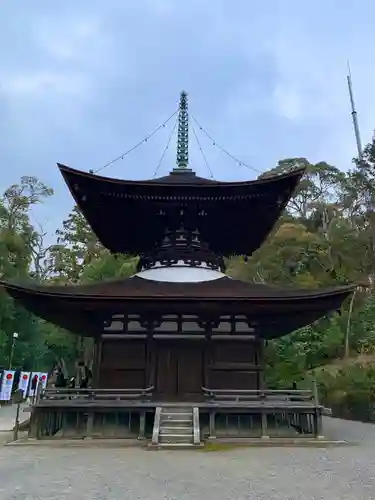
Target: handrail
x,y
315,392
259,394
99,391
258,391
196,427
63,393
156,428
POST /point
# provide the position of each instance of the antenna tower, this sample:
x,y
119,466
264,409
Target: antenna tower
x,y
354,116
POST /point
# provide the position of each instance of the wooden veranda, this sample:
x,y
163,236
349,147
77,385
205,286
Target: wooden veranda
x,y
135,414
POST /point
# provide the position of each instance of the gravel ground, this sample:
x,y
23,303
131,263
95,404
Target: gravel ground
x,y
8,416
345,472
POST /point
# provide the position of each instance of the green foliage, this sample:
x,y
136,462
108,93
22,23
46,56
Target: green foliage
x,y
76,258
349,391
109,266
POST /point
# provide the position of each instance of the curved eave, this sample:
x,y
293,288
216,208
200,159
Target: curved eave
x,y
153,184
138,289
84,311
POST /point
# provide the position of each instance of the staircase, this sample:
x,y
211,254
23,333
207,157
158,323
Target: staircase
x,y
176,427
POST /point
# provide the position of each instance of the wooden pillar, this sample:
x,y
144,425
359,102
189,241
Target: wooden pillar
x,y
318,415
39,421
150,357
262,386
35,421
142,426
207,355
315,393
96,363
264,426
89,424
212,425
261,364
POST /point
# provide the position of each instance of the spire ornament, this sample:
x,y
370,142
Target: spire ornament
x,y
183,133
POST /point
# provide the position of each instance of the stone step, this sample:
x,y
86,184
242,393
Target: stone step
x,y
177,409
176,430
183,415
175,438
176,427
172,446
176,423
176,416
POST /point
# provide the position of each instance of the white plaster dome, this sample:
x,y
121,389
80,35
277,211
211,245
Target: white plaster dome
x,y
180,273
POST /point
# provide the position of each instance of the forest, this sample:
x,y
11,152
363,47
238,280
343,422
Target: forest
x,y
325,237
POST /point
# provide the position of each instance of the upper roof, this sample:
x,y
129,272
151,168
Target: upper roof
x,y
234,218
83,309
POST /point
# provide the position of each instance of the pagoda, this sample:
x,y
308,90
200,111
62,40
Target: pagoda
x,y
179,333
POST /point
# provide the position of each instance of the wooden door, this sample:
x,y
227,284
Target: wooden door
x,y
166,372
179,368
190,371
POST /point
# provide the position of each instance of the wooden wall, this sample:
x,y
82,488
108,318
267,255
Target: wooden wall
x,y
123,364
233,365
180,368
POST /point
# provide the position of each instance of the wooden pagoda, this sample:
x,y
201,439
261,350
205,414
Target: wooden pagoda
x,y
179,345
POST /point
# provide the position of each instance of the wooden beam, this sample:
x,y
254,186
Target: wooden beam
x,y
177,336
174,335
217,336
122,336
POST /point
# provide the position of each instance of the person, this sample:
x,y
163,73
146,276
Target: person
x,y
16,380
33,388
60,379
86,379
89,377
84,383
34,382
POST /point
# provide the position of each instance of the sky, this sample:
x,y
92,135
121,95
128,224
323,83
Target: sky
x,y
83,82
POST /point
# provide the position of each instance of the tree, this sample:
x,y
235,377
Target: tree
x,y
317,187
76,247
18,238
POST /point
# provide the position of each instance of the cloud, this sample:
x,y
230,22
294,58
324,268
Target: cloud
x,y
82,82
310,49
80,41
309,85
43,83
68,57
288,101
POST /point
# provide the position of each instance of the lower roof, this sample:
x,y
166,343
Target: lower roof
x,y
83,309
137,288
